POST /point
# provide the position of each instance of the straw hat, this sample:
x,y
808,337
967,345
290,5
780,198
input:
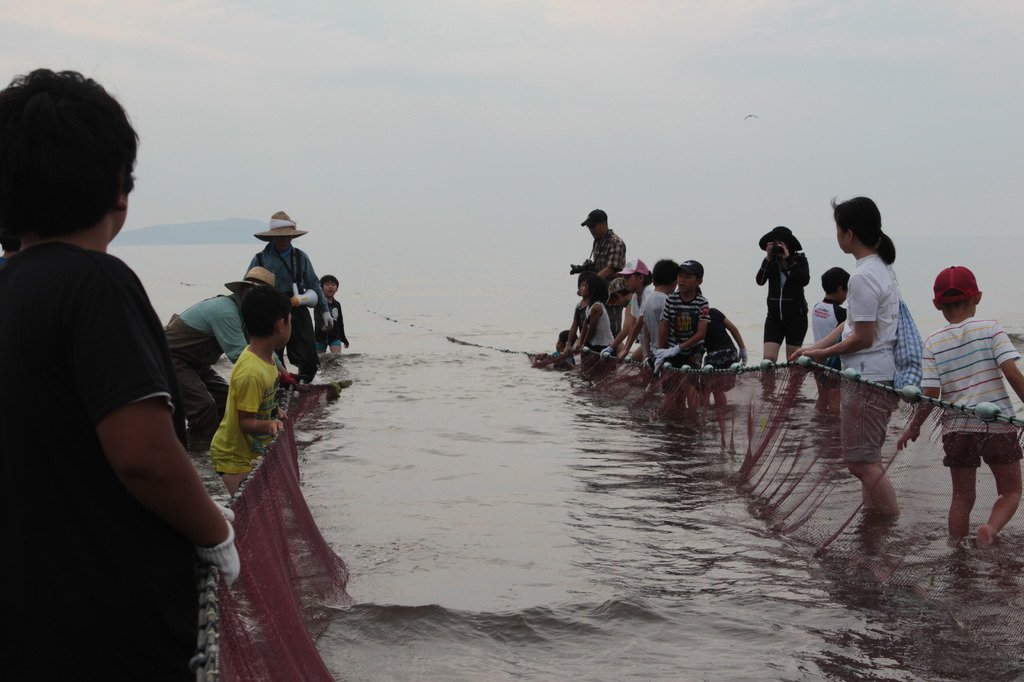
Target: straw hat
x,y
254,277
280,226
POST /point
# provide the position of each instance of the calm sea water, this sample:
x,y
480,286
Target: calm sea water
x,y
500,522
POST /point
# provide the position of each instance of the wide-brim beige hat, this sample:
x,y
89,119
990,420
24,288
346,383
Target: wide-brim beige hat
x,y
254,277
280,226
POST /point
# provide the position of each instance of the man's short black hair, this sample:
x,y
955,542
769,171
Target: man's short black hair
x,y
329,278
262,307
833,278
665,272
67,152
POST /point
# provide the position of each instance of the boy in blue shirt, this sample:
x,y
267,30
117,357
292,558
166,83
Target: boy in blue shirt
x,y
331,337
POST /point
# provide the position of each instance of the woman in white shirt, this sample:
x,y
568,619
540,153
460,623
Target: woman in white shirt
x,y
868,339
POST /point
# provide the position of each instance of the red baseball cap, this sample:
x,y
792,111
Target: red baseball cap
x,y
955,283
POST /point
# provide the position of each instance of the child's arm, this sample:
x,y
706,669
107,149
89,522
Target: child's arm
x,y
921,412
584,334
624,332
573,328
662,333
140,444
637,327
829,342
591,325
251,425
698,336
735,333
339,326
1013,377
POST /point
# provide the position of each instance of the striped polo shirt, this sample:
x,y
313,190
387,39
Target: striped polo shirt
x,y
683,318
962,360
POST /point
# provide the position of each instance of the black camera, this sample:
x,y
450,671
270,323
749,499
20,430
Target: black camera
x,y
777,249
586,266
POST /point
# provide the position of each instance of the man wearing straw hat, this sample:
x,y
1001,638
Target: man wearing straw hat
x,y
292,267
197,338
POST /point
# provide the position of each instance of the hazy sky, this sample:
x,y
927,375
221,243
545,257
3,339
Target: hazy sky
x,y
506,121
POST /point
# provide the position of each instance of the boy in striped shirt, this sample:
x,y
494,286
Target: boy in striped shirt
x,y
965,362
684,320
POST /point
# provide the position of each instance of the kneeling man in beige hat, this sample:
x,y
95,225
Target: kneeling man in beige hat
x,y
197,338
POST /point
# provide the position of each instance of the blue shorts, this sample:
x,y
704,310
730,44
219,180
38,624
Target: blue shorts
x,y
321,347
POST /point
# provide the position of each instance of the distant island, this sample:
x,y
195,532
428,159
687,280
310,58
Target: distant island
x,y
229,231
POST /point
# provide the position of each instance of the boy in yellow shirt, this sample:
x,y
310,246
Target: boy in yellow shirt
x,y
249,424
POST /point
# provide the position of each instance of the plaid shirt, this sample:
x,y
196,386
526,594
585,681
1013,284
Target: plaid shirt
x,y
908,350
609,252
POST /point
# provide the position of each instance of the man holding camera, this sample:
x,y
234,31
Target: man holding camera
x,y
786,272
608,255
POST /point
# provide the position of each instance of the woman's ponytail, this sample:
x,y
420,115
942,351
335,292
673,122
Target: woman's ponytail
x,y
886,250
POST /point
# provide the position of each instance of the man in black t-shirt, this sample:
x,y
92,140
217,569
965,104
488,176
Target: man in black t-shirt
x,y
101,510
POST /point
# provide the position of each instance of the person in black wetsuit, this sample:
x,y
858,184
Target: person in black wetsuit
x,y
786,271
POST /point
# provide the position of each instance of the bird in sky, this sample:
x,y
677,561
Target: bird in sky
x,y
749,116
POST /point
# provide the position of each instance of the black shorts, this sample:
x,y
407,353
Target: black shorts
x,y
792,329
965,450
693,360
722,359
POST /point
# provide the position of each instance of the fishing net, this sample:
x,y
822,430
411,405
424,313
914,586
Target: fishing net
x,y
783,427
265,626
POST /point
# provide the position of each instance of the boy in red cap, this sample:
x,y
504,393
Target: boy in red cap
x,y
965,362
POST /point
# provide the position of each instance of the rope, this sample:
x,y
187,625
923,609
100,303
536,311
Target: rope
x,y
480,345
983,411
391,319
450,338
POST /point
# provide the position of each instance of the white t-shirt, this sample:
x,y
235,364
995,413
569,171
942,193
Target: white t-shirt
x,y
824,319
654,301
873,296
602,335
635,306
962,360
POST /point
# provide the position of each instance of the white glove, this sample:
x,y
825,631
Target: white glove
x,y
666,353
607,352
224,556
658,364
743,356
663,354
328,320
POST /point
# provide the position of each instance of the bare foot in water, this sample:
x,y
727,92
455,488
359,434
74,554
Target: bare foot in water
x,y
985,535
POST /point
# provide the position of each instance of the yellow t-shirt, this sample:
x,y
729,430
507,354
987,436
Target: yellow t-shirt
x,y
252,388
